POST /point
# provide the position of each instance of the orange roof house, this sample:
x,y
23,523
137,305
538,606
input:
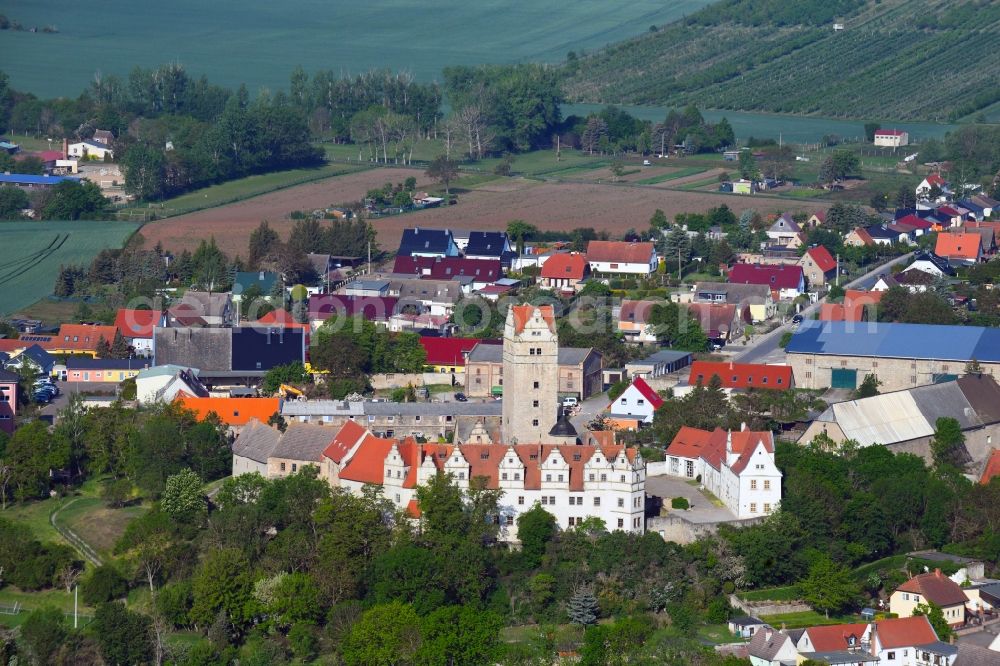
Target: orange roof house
x,y
280,318
137,323
959,248
854,308
564,271
859,238
234,412
79,339
742,375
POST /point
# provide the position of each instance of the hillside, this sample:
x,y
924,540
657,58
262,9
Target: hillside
x,y
932,60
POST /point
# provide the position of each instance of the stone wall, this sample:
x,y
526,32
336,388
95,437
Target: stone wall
x,y
674,527
814,371
758,608
402,380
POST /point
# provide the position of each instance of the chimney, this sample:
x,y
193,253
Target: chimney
x,y
937,572
767,635
743,426
65,150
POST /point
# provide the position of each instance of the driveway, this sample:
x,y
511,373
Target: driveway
x,y
702,510
68,388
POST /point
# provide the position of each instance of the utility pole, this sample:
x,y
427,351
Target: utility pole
x,y
76,615
838,269
679,263
369,257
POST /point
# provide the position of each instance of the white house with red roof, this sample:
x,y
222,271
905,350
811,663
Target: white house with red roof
x,y
787,280
571,482
737,467
622,257
136,326
931,182
638,402
891,138
908,641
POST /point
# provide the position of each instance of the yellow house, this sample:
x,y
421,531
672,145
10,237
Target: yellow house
x,y
933,587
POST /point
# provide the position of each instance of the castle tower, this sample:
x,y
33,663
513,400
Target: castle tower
x,y
530,374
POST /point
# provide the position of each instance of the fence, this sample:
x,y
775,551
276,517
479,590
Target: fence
x,y
18,609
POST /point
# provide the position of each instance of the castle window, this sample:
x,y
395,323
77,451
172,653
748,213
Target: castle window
x,y
552,500
621,523
534,403
604,477
534,384
545,500
517,476
520,500
753,507
753,484
597,501
548,477
534,422
510,520
503,476
621,502
576,457
590,477
560,478
767,484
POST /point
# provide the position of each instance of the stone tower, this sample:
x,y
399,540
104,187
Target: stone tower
x,y
530,374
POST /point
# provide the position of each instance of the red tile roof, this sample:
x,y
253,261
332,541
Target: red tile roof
x,y
744,442
992,468
742,375
775,276
692,442
413,509
565,266
232,411
349,434
903,632
367,465
915,222
711,446
647,392
523,313
835,637
889,132
280,318
636,311
936,179
80,337
958,245
853,308
446,268
372,308
9,346
935,587
822,258
619,252
448,351
715,319
137,323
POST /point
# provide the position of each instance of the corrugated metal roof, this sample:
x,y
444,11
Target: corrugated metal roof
x,y
908,341
945,400
882,419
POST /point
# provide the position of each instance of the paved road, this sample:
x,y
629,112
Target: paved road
x,y
68,388
766,346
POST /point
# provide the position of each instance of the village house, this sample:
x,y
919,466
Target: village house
x,y
930,263
372,308
819,266
753,301
721,322
564,272
930,588
659,364
633,321
251,450
634,406
741,376
857,306
480,272
783,230
163,383
79,339
771,647
447,355
137,326
933,183
91,150
489,246
232,412
788,281
264,283
736,466
427,243
622,258
202,308
891,138
960,249
8,400
86,369
229,356
859,237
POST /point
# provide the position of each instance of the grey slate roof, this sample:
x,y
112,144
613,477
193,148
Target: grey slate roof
x,y
767,647
735,292
492,353
662,356
976,655
304,441
257,441
203,348
368,408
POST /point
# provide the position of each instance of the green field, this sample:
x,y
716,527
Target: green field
x,y
662,178
31,253
259,42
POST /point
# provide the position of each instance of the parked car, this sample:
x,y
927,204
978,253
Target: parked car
x,y
797,319
570,401
460,397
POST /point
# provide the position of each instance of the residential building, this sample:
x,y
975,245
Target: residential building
x,y
908,641
564,272
447,355
906,420
721,322
32,182
931,263
233,412
201,308
105,137
932,587
770,647
301,445
42,361
839,354
783,230
622,258
931,183
633,321
263,282
86,369
481,272
427,243
817,219
742,375
434,297
819,266
635,405
857,306
8,400
79,339
891,138
884,235
490,245
833,638
162,383
136,326
252,448
373,288
787,280
859,237
326,306
745,626
960,249
91,150
755,301
736,466
659,364
280,319
579,371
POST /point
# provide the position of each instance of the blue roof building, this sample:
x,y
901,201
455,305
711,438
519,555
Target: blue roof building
x,y
27,180
839,354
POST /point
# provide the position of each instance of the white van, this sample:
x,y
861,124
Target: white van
x,y
570,401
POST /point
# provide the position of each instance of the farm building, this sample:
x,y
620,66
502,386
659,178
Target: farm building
x,y
905,420
741,375
840,354
891,138
31,182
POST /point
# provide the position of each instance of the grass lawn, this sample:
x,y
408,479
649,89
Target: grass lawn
x,y
97,524
715,634
251,186
698,184
789,593
35,515
56,597
50,310
683,173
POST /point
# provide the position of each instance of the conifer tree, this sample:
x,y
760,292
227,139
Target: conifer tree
x,y
582,607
